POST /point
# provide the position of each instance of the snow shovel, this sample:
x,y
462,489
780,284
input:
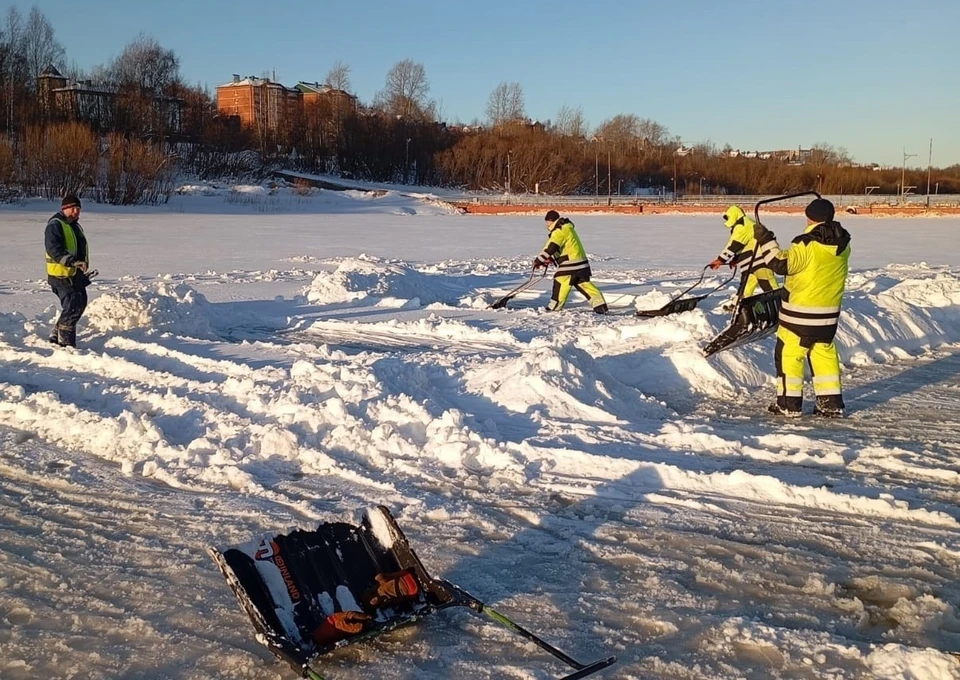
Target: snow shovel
x,y
757,316
681,304
290,586
532,281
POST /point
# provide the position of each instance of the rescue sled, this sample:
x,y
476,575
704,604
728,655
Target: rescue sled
x,y
291,585
679,303
532,281
757,316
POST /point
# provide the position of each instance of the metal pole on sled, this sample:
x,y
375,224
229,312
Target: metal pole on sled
x,y
581,670
534,279
756,218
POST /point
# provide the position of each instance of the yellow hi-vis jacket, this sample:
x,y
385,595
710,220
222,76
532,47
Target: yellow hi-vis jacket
x,y
815,266
58,269
564,248
740,247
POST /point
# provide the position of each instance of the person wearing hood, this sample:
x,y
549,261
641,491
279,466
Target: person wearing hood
x,y
739,252
68,268
565,250
815,269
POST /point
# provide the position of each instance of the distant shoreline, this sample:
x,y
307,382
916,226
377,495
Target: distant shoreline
x,y
669,209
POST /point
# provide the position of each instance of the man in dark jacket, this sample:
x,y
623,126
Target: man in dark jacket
x,y
68,268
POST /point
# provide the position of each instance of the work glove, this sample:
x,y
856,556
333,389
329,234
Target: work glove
x,y
716,264
392,589
81,265
762,234
538,264
339,626
92,274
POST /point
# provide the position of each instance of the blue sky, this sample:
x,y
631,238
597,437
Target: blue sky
x,y
874,77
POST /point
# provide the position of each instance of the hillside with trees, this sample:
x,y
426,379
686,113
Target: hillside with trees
x,y
122,131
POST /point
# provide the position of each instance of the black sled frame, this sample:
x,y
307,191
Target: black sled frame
x,y
534,279
679,303
757,316
287,584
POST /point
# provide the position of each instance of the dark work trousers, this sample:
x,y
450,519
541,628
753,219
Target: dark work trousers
x,y
73,302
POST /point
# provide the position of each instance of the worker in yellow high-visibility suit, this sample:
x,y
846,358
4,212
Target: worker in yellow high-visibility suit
x,y
564,249
739,252
815,269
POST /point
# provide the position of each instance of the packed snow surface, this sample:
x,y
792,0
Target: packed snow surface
x,y
255,360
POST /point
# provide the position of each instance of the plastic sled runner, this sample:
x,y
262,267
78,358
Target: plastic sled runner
x,y
292,585
684,304
754,318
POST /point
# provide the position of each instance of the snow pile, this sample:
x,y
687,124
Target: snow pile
x,y
171,308
897,312
396,284
558,463
11,326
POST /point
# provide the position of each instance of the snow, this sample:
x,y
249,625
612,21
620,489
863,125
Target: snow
x,y
256,359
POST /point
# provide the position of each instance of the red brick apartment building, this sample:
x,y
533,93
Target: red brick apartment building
x,y
264,104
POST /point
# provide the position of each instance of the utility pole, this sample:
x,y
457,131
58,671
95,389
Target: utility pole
x,y
903,173
508,169
596,169
609,186
929,167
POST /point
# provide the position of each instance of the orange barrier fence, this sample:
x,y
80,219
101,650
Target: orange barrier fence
x,y
672,209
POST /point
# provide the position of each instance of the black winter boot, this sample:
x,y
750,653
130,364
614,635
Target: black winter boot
x,y
829,406
601,309
68,337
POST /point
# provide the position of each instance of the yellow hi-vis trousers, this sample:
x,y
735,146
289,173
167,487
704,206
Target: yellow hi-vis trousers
x,y
764,278
561,291
791,356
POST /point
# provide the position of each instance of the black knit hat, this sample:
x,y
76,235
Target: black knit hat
x,y
552,216
820,210
70,201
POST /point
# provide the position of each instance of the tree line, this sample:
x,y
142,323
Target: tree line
x,y
160,125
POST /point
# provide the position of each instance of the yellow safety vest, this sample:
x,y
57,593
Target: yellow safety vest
x,y
54,268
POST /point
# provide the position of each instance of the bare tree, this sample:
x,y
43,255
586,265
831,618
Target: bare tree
x,y
405,91
13,65
41,48
570,122
651,132
338,77
144,75
146,66
505,104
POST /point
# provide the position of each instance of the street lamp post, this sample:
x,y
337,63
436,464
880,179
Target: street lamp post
x,y
903,173
596,169
508,169
609,187
701,186
406,164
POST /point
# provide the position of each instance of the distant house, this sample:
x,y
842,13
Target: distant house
x,y
264,104
315,92
85,102
258,102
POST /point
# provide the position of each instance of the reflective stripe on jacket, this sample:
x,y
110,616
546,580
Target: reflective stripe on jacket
x,y
565,250
740,247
